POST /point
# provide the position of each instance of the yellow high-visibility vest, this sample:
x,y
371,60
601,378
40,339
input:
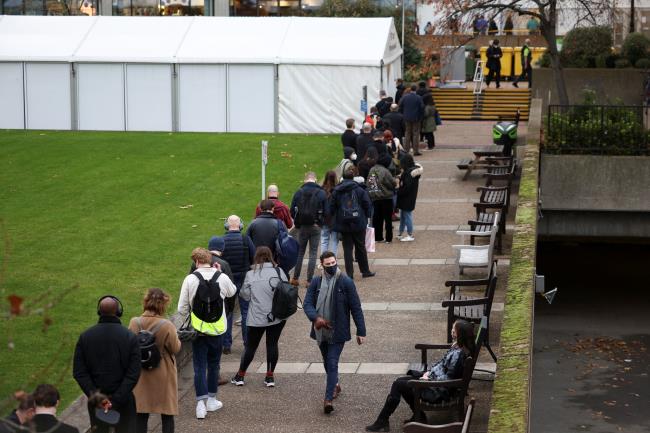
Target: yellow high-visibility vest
x,y
216,328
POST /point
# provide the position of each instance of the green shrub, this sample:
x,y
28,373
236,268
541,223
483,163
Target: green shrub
x,y
545,60
610,61
635,47
643,63
581,46
622,63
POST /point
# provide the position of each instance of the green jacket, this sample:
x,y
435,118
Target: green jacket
x,y
380,182
429,120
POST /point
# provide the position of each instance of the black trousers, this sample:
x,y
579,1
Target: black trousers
x,y
491,76
143,419
400,389
526,72
272,352
383,217
127,422
431,140
356,240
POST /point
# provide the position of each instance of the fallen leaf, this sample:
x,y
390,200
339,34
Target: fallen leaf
x,y
15,305
194,226
188,206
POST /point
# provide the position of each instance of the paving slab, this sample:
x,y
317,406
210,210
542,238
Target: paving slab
x,y
428,244
445,213
447,190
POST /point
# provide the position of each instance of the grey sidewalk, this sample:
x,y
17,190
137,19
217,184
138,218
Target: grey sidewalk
x,y
402,308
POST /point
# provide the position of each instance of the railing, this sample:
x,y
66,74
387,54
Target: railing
x,y
596,130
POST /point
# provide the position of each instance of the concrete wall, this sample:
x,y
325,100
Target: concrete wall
x,y
595,196
609,84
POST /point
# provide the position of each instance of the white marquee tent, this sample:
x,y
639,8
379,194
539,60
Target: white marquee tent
x,y
211,74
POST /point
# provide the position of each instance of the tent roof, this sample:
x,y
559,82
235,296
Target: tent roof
x,y
281,40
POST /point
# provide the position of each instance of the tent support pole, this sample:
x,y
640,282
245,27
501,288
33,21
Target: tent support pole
x,y
175,98
381,75
74,100
276,98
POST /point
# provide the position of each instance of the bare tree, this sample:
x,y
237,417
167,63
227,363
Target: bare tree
x,y
546,12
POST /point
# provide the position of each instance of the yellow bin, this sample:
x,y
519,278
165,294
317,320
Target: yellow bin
x,y
516,61
506,61
537,54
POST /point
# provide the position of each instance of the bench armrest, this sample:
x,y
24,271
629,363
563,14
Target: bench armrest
x,y
464,302
460,283
472,233
425,346
492,188
470,247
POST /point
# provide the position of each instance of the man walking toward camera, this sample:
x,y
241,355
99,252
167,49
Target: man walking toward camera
x,y
107,360
328,304
308,209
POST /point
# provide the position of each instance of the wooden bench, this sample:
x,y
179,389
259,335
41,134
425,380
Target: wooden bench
x,y
493,199
454,427
474,309
478,256
483,158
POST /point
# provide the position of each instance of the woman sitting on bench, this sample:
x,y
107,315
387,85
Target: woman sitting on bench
x,y
449,367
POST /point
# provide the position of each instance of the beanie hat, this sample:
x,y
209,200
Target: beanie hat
x,y
216,244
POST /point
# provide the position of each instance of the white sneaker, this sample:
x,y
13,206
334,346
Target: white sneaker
x,y
408,238
238,321
201,411
214,404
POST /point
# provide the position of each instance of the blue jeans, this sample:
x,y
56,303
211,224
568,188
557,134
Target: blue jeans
x,y
206,356
331,353
243,306
406,220
329,240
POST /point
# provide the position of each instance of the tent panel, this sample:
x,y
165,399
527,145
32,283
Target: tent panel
x,y
340,89
12,115
101,96
251,99
347,87
47,95
301,109
202,98
149,97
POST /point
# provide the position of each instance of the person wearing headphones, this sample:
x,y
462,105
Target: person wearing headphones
x,y
107,360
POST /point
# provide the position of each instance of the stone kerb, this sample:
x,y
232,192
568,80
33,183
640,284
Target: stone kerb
x,y
511,393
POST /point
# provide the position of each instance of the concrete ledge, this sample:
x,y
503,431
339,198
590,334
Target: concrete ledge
x,y
511,391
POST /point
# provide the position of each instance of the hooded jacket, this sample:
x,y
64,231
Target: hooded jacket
x,y
408,190
380,183
336,207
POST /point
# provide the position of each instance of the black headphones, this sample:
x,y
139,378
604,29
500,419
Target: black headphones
x,y
226,226
120,309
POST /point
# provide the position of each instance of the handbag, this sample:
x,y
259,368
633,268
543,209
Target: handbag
x,y
187,332
370,239
438,118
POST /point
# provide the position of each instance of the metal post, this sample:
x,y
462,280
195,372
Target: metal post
x,y
265,146
403,42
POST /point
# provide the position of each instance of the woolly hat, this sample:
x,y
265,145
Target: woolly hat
x,y
216,243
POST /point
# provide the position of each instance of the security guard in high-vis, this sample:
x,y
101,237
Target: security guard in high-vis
x,y
202,299
526,65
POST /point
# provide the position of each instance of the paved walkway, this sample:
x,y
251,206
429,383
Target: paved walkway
x,y
402,307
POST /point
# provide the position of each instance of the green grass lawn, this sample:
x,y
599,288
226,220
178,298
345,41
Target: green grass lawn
x,y
84,214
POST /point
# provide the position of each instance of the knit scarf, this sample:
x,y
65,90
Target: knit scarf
x,y
325,307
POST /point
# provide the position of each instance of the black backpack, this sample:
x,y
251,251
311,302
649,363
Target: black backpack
x,y
285,299
309,210
207,304
149,353
350,209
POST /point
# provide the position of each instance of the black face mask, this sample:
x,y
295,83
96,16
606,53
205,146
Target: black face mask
x,y
330,270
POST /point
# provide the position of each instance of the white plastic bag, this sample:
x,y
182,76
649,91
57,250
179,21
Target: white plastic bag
x,y
370,239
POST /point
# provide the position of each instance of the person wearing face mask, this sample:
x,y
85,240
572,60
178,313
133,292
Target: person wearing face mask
x,y
329,301
348,161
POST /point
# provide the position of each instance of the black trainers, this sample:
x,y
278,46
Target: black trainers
x,y
368,275
269,381
237,380
379,425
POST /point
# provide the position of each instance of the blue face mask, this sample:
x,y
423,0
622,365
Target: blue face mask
x,y
330,270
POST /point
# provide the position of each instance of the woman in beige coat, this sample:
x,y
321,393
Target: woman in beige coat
x,y
157,389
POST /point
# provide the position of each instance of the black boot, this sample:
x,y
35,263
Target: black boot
x,y
380,425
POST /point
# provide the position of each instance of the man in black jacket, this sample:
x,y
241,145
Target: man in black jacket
x,y
494,55
349,137
265,229
363,141
239,252
384,103
395,122
308,208
47,399
350,206
399,84
107,360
